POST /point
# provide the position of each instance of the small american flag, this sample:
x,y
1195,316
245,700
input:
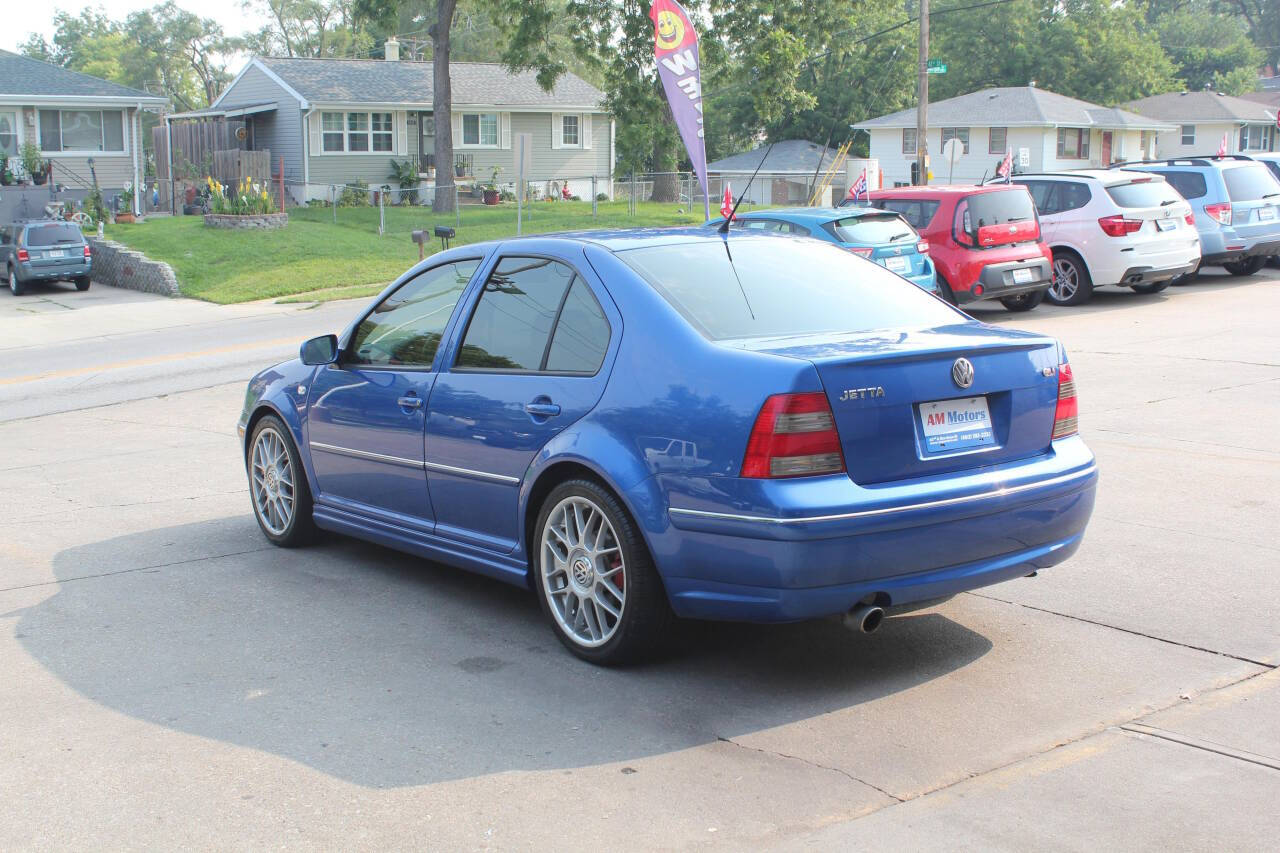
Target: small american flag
x,y
1005,169
1222,149
859,188
726,203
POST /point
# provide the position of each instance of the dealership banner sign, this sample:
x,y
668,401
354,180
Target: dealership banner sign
x,y
675,47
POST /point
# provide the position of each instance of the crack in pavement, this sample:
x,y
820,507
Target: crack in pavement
x,y
1202,744
839,770
1132,631
139,569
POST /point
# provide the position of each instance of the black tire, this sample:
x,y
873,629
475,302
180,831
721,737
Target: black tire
x,y
1152,287
81,283
1248,266
301,528
1071,283
945,292
1023,301
645,621
16,287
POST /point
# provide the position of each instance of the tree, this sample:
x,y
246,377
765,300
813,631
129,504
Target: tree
x,y
309,28
1209,49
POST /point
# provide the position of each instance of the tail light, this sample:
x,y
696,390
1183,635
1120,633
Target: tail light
x,y
1219,213
24,255
1066,419
923,247
86,250
1191,218
1118,226
861,252
794,436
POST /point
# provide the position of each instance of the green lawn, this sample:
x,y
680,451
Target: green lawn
x,y
349,259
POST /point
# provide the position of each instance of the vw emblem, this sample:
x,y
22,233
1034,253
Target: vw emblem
x,y
962,373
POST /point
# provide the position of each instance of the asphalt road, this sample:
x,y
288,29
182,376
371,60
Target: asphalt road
x,y
169,679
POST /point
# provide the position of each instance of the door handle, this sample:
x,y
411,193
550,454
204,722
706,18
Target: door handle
x,y
412,401
546,409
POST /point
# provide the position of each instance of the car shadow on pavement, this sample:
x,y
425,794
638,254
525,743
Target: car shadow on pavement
x,y
385,670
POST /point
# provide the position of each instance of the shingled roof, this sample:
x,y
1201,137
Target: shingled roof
x,y
378,81
22,76
1017,106
788,156
1193,107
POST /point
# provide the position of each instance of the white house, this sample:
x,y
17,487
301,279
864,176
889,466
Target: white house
x,y
1045,131
1201,119
789,174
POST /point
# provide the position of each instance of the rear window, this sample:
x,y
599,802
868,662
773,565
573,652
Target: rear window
x,y
999,207
1188,184
53,234
1275,168
1250,183
917,212
1144,194
781,287
876,228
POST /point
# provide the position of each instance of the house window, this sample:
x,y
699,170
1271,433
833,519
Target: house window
x,y
1073,143
569,130
1255,137
357,133
82,130
961,133
480,129
909,141
8,134
1188,134
998,140
1145,137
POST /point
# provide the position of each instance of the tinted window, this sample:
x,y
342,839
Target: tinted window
x,y
405,328
1275,168
918,213
776,287
1249,183
582,333
1146,194
775,225
1042,194
1188,184
882,228
513,318
1072,195
53,233
998,207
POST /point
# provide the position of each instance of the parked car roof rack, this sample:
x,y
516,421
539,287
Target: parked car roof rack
x,y
1191,160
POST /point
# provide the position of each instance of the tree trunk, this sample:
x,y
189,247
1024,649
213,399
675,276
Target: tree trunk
x,y
666,184
442,105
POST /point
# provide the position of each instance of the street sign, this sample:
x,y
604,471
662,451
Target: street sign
x,y
936,66
952,150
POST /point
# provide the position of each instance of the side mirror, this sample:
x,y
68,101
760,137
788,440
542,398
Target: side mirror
x,y
321,350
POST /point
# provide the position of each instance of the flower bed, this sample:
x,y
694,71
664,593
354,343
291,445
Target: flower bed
x,y
246,220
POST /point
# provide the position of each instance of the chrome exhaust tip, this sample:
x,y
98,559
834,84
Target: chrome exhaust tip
x,y
865,618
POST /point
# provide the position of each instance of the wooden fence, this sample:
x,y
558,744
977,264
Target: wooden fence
x,y
194,144
232,167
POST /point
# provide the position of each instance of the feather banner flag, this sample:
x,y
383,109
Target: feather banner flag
x,y
675,47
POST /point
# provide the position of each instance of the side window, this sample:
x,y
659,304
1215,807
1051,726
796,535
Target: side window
x,y
1189,184
406,327
512,322
918,213
1042,194
582,333
1072,195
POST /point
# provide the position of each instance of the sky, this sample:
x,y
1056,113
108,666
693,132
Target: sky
x,y
22,17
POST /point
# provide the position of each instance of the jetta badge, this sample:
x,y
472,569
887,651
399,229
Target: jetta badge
x,y
962,373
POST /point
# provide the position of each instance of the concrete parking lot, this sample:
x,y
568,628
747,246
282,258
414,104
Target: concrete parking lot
x,y
170,679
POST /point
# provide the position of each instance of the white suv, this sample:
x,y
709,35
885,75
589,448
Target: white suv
x,y
1112,227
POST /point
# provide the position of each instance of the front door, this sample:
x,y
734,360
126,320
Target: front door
x,y
530,363
367,412
1106,148
426,141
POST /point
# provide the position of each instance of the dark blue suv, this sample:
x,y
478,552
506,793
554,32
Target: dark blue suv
x,y
43,250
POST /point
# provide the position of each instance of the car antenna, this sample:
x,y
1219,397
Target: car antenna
x,y
724,228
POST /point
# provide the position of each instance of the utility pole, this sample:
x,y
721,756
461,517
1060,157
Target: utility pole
x,y
922,109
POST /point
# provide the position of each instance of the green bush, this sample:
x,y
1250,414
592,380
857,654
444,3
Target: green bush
x,y
355,194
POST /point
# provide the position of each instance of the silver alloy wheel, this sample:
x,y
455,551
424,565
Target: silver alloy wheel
x,y
272,484
13,281
1065,280
583,572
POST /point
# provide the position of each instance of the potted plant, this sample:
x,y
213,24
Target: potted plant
x,y
126,202
31,162
491,188
406,176
460,167
6,177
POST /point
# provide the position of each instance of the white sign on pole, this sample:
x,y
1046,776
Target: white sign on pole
x,y
952,151
524,162
1024,158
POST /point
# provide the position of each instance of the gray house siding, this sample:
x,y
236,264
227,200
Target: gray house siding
x,y
549,164
113,170
280,131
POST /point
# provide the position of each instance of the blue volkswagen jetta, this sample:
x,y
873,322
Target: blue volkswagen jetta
x,y
878,235
647,424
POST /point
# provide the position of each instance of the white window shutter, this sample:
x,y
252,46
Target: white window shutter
x,y
584,130
402,133
504,120
457,130
557,130
314,134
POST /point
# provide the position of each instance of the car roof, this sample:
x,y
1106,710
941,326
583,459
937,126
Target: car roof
x,y
811,214
622,239
1204,161
932,191
1107,177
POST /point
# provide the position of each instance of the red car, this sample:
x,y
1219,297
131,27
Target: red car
x,y
984,241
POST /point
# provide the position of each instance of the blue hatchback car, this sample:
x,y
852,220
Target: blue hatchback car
x,y
650,424
878,235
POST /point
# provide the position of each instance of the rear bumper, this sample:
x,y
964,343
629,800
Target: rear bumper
x,y
1225,246
1144,275
901,544
997,280
26,272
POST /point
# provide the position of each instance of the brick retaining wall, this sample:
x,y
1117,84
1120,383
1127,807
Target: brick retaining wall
x,y
117,265
256,221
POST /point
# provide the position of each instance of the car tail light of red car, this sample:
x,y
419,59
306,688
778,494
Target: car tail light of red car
x,y
1219,213
794,436
1118,226
1066,419
23,255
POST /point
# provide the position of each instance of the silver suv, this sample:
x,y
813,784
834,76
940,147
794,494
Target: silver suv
x,y
44,250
